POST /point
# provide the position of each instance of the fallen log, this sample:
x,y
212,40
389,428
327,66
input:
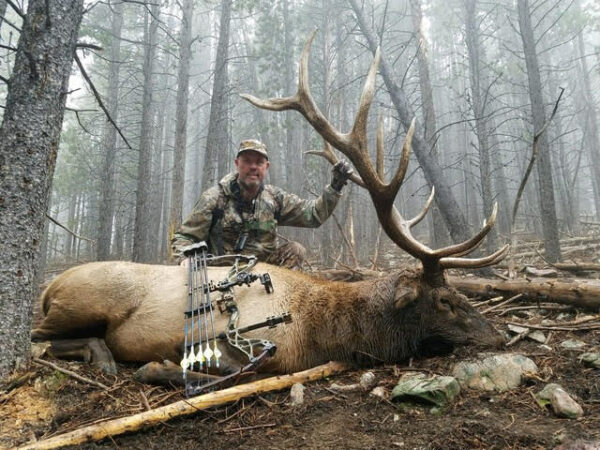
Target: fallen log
x,y
577,266
184,407
579,293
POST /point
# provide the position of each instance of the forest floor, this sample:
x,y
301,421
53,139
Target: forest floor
x,y
51,403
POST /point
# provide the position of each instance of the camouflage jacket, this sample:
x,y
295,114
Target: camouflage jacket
x,y
259,218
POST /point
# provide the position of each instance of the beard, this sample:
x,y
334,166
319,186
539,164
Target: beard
x,y
251,184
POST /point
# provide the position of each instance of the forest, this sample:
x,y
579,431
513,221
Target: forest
x,y
117,114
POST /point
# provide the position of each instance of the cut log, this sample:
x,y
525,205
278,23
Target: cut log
x,y
579,293
189,406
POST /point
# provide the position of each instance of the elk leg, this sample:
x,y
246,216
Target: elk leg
x,y
170,374
90,350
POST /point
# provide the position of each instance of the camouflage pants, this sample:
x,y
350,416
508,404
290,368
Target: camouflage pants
x,y
290,255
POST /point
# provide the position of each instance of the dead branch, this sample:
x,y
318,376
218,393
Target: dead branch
x,y
532,160
346,241
99,99
70,373
185,407
56,222
492,308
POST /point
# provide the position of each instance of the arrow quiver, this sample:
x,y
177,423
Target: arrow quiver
x,y
200,351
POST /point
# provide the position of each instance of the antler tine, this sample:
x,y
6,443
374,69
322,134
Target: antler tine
x,y
328,154
359,129
415,220
466,263
398,177
469,245
379,161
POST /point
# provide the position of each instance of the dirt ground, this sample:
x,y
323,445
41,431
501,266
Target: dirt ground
x,y
51,403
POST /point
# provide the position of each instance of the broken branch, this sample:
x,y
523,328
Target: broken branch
x,y
184,407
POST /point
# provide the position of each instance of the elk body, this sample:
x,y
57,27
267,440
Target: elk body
x,y
139,309
139,312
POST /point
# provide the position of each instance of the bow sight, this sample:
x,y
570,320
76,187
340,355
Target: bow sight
x,y
200,349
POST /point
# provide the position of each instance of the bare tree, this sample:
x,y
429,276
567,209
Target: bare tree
x,y
107,177
217,140
453,216
29,138
141,247
478,100
183,82
544,168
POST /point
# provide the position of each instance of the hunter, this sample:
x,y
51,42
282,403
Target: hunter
x,y
241,213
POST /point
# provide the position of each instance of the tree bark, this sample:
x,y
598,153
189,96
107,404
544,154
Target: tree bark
x,y
217,139
591,125
472,40
437,231
544,167
183,82
579,293
141,246
29,139
445,200
107,177
3,5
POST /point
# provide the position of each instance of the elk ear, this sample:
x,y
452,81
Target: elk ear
x,y
404,296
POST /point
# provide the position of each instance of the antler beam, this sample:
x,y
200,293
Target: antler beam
x,y
354,146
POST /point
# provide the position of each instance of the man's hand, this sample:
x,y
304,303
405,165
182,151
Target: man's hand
x,y
340,174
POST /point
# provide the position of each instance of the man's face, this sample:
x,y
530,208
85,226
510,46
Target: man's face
x,y
252,169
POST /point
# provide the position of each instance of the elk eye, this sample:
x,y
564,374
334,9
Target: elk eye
x,y
446,304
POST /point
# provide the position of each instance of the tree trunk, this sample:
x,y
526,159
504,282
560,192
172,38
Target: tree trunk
x,y
592,137
2,13
29,139
544,167
141,247
107,177
183,82
217,139
453,216
437,230
477,97
578,293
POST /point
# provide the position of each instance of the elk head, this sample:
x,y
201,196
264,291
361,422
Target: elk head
x,y
450,306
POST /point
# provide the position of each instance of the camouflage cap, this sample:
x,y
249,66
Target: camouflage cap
x,y
254,145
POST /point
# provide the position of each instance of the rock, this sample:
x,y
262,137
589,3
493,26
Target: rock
x,y
591,359
38,349
579,444
543,397
367,381
562,403
545,347
572,344
494,373
345,387
436,390
537,336
517,329
564,406
379,391
297,394
564,316
541,272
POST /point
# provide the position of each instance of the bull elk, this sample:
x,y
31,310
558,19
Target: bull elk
x,y
136,311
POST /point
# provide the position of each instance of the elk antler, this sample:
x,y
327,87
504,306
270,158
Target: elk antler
x,y
354,146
